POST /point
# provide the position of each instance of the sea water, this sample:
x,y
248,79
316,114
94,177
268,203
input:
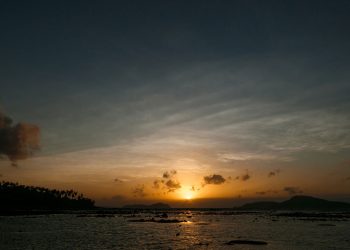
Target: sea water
x,y
188,230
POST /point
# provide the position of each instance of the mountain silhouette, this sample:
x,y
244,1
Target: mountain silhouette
x,y
299,202
152,206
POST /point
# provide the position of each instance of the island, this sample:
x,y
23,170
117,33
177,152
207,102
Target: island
x,y
298,203
152,206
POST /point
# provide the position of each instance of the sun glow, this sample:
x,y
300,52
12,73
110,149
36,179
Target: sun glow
x,y
187,194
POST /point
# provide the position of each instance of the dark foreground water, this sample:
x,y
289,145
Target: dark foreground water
x,y
202,230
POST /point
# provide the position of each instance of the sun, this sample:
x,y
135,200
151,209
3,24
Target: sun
x,y
187,195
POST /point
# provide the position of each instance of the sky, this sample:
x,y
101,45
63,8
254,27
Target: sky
x,y
194,103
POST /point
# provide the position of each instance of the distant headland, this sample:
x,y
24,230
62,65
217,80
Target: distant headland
x,y
152,206
298,203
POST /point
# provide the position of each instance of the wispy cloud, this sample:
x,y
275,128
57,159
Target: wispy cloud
x,y
266,192
273,173
293,190
139,191
240,114
157,183
194,188
244,156
118,180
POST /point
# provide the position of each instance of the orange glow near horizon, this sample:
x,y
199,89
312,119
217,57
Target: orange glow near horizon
x,y
186,193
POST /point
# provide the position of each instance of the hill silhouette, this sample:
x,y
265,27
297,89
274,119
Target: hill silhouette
x,y
14,196
152,206
299,202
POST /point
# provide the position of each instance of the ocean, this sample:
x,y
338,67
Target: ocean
x,y
175,229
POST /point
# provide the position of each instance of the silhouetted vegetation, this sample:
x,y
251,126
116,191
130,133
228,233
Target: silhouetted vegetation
x,y
14,196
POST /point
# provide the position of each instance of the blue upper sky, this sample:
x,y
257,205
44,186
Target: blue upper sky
x,y
86,67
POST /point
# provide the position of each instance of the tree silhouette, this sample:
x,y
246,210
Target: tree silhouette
x,y
14,196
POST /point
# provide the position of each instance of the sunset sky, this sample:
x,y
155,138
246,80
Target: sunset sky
x,y
200,103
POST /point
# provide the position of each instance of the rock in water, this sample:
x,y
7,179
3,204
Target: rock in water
x,y
246,242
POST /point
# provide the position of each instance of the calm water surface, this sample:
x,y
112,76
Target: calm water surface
x,y
203,230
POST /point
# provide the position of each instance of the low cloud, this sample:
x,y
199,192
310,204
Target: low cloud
x,y
168,182
139,191
194,189
266,192
158,184
122,179
169,174
215,179
293,190
172,185
244,177
273,173
18,142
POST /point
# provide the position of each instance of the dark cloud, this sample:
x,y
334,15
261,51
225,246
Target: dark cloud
x,y
194,188
244,177
168,182
293,190
261,193
139,191
215,179
172,185
273,173
270,174
169,174
19,141
157,184
118,180
266,192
